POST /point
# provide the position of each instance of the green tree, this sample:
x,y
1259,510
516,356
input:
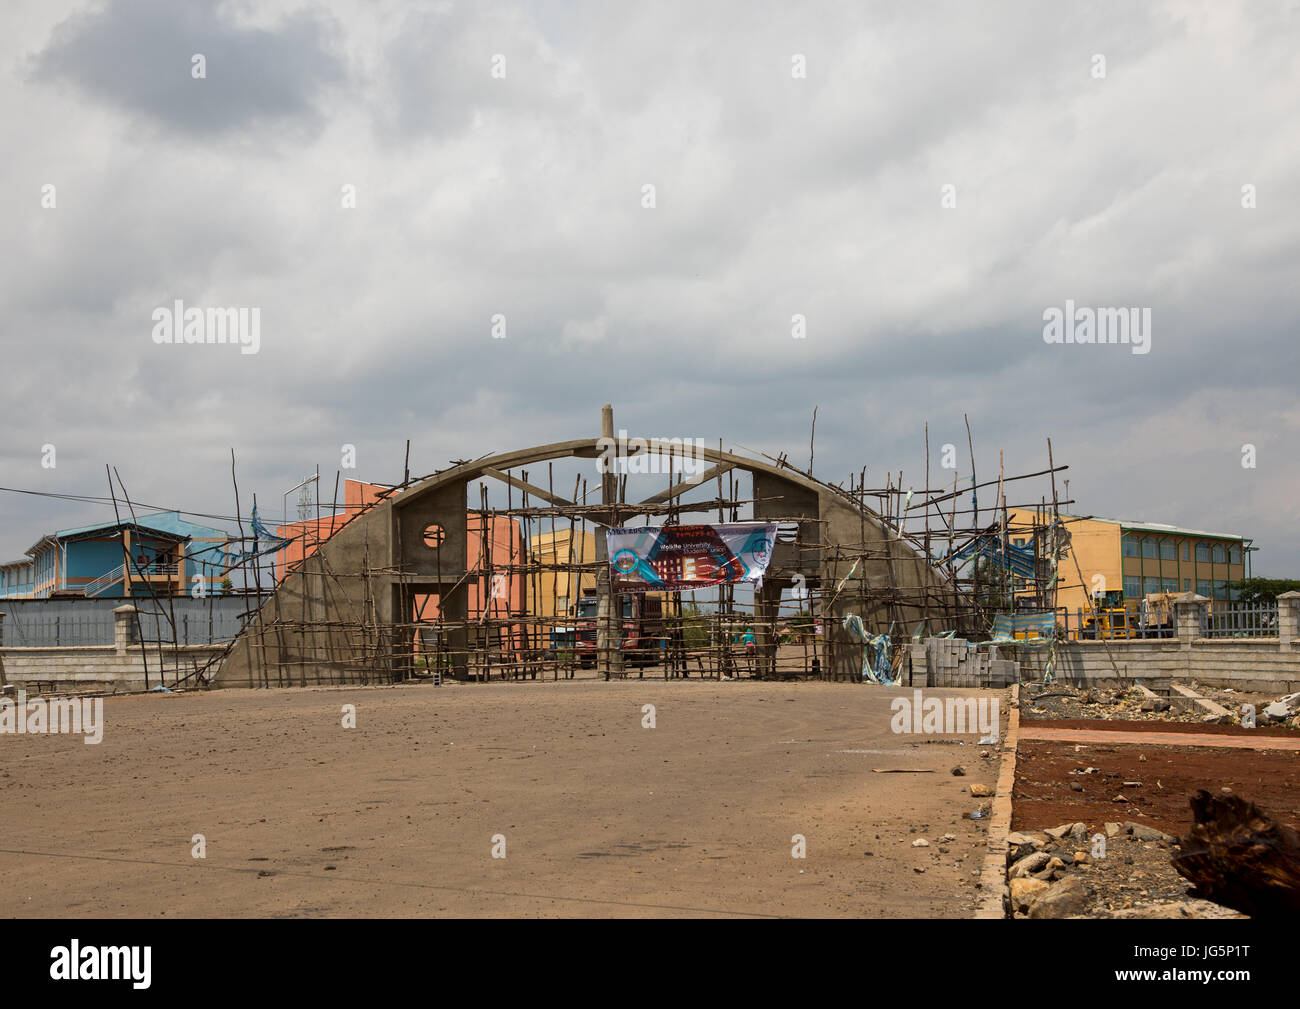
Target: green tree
x,y
1265,590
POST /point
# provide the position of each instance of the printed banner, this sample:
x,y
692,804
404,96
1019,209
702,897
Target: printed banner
x,y
681,558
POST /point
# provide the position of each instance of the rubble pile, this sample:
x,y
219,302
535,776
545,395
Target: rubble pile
x,y
1120,871
1109,704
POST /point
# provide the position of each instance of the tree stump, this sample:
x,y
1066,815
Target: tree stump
x,y
1238,856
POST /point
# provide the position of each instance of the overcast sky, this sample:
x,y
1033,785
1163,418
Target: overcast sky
x,y
776,195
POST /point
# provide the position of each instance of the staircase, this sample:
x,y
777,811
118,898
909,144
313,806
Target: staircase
x,y
106,581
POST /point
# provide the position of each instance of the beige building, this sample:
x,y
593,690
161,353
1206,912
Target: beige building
x,y
553,592
1140,558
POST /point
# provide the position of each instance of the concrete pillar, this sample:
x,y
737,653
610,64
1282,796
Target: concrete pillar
x,y
1189,611
609,605
767,604
123,628
1288,619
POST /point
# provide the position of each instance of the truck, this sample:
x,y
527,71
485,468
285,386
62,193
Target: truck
x,y
1156,614
642,635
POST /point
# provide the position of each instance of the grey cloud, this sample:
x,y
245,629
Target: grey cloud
x,y
137,57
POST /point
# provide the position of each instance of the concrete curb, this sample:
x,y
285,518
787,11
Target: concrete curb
x,y
1203,702
993,876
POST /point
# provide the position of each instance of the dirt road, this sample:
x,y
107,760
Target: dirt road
x,y
600,816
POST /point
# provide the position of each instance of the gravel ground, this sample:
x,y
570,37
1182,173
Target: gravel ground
x,y
598,814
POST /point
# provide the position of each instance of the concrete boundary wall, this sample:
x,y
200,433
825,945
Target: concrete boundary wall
x,y
121,666
1266,665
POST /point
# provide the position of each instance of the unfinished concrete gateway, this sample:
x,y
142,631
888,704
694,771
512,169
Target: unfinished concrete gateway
x,y
344,615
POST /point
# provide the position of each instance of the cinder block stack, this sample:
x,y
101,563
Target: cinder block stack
x,y
956,662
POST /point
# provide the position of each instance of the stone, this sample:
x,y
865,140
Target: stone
x,y
1023,892
1112,829
920,842
1019,851
1055,863
1144,833
978,791
1056,833
1079,831
1060,900
1283,708
1080,857
1029,865
1075,787
959,771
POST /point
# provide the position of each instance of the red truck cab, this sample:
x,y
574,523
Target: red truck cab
x,y
641,637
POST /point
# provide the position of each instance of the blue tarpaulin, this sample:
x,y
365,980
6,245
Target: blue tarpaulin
x,y
1017,560
1024,628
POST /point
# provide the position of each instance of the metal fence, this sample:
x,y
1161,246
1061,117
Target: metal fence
x,y
200,628
73,623
58,630
1084,624
1240,620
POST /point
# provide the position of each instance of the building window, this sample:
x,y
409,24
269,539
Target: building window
x,y
1202,553
1168,550
1220,589
1130,547
1150,585
1234,554
1168,584
1132,586
1234,592
1187,585
1203,588
1187,550
1220,554
1150,548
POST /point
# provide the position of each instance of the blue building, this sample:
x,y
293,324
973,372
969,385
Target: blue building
x,y
160,553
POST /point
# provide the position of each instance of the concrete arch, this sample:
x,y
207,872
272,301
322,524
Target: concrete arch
x,y
336,619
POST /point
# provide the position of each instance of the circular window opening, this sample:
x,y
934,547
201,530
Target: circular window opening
x,y
434,534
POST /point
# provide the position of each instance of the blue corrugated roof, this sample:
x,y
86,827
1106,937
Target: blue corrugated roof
x,y
167,523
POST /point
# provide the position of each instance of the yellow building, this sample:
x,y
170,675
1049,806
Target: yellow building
x,y
553,592
1139,558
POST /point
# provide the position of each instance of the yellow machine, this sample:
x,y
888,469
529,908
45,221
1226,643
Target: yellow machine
x,y
1107,618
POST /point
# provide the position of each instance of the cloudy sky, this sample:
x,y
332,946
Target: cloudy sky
x,y
1112,182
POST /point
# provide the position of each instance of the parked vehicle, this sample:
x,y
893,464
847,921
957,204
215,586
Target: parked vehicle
x,y
1107,618
642,634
